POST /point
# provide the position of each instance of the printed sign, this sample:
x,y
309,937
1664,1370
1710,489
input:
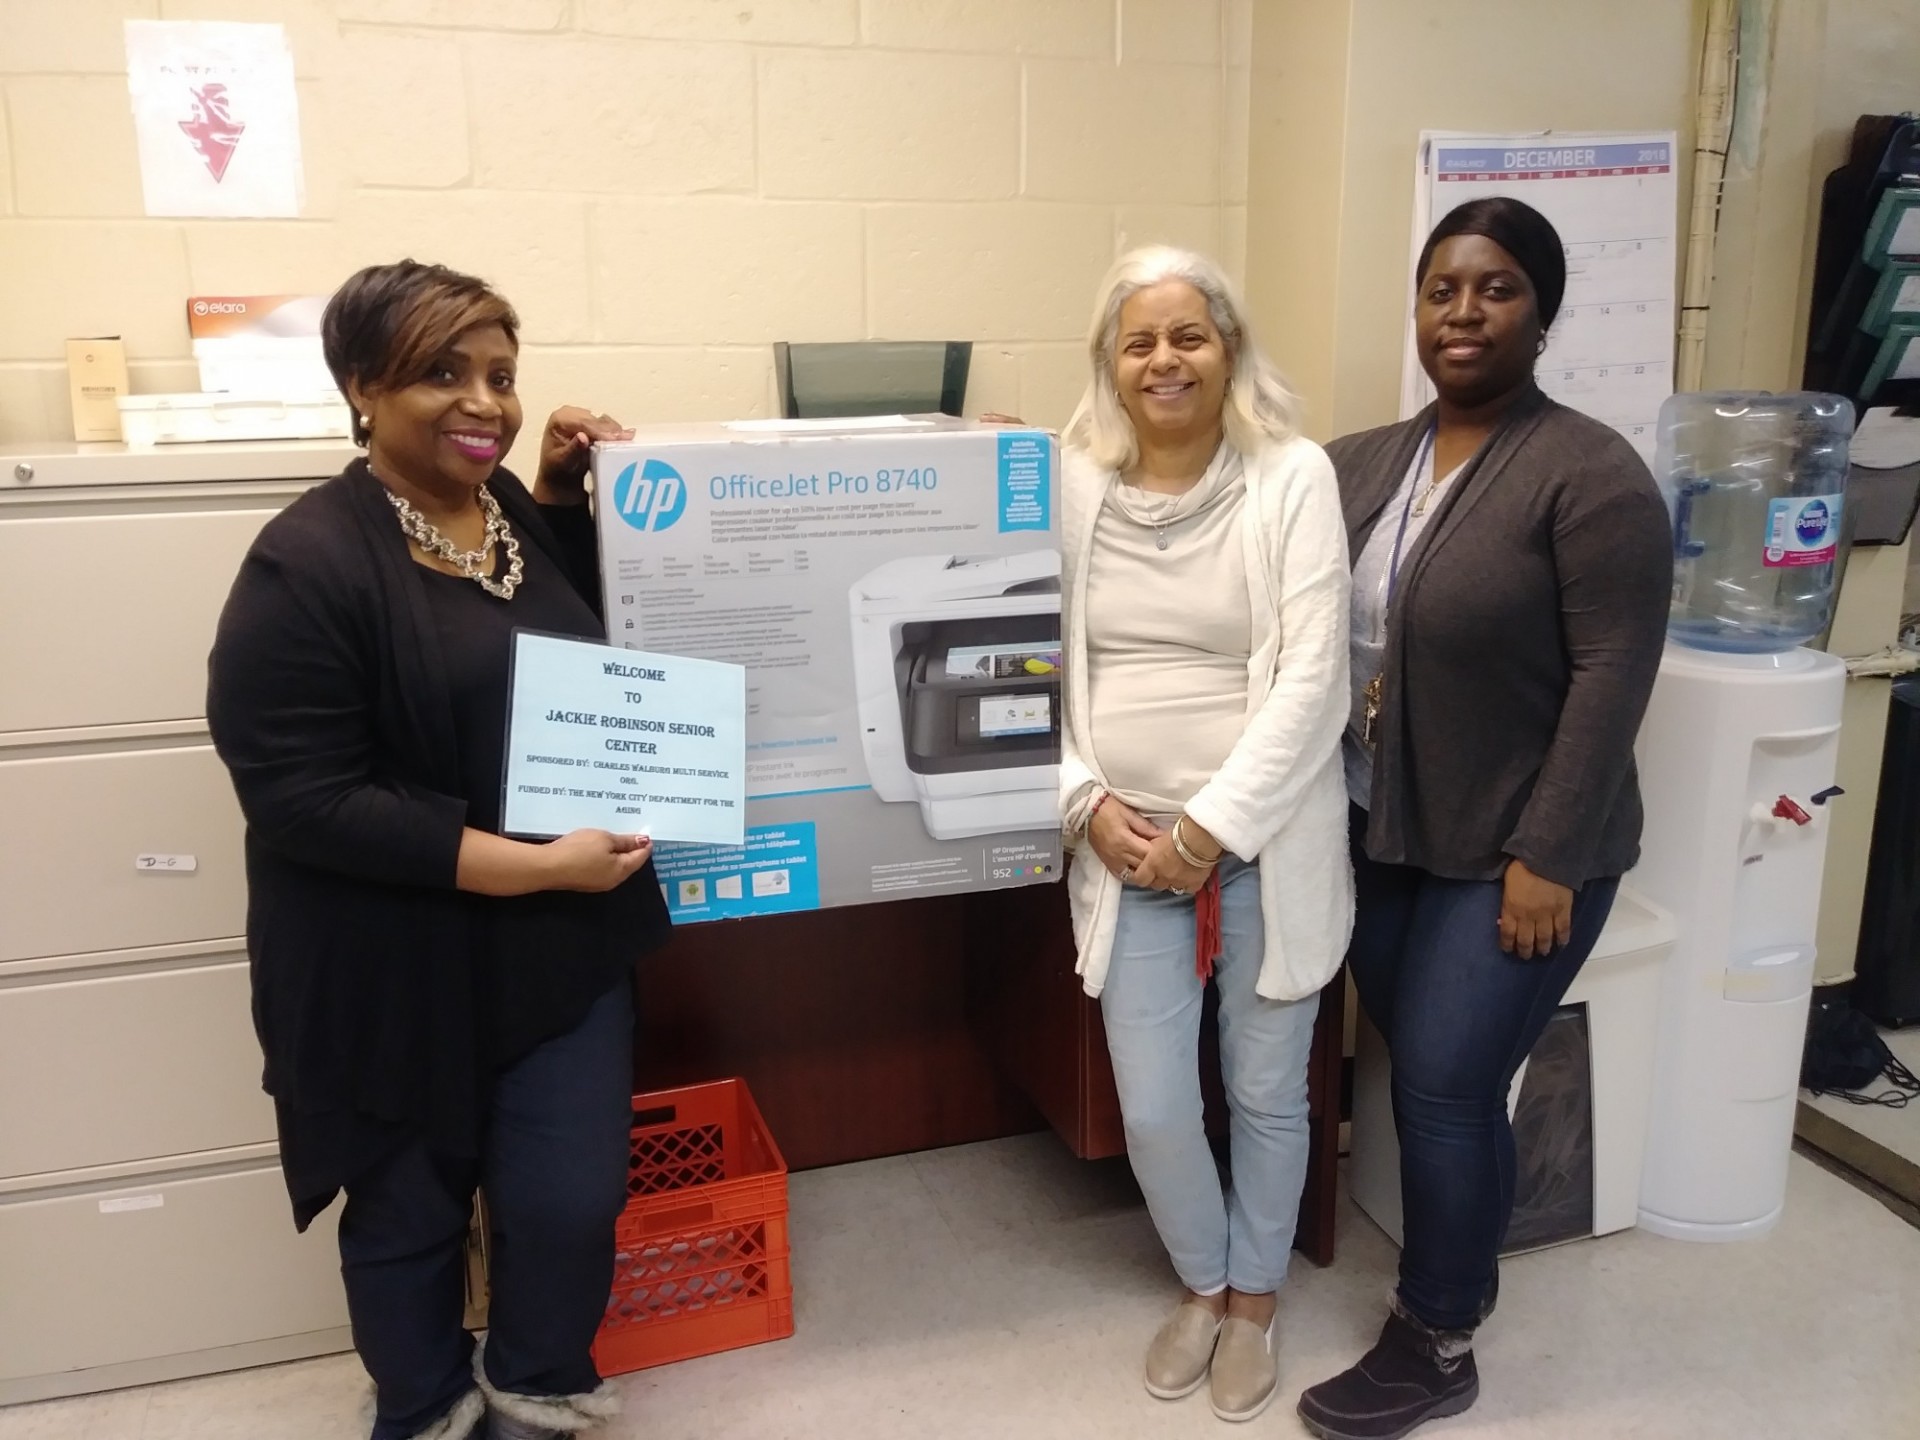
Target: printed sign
x,y
619,740
216,118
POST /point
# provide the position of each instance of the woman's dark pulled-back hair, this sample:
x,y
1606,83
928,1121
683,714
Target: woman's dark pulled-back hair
x,y
1520,230
386,326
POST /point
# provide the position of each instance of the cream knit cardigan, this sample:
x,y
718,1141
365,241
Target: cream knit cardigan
x,y
1280,796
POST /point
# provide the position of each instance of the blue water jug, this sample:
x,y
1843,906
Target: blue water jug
x,y
1756,486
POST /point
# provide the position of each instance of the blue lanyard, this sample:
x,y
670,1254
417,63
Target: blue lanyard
x,y
1406,511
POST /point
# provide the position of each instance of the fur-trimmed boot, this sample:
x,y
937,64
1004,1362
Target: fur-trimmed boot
x,y
513,1416
1412,1374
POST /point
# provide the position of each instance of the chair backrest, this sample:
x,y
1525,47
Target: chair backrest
x,y
872,377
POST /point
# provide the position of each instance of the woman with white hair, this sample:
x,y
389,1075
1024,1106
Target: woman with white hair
x,y
1206,654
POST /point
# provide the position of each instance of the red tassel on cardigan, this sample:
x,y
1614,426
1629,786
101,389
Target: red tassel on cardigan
x,y
1206,926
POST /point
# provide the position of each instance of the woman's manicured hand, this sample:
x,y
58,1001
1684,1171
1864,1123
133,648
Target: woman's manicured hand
x,y
594,860
1163,869
571,432
1120,836
1535,913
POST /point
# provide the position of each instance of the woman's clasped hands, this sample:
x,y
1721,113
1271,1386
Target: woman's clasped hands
x,y
1139,851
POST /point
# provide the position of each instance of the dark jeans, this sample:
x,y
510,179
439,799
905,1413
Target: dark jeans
x,y
554,1171
1459,1015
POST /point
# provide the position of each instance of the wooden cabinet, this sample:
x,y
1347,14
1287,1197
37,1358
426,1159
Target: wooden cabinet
x,y
881,1029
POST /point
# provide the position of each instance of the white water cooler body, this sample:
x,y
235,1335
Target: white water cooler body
x,y
1737,760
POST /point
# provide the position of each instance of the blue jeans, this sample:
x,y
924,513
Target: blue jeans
x,y
1151,1006
1459,1016
554,1171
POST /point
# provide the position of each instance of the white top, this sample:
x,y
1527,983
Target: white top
x,y
1169,632
1372,582
1277,798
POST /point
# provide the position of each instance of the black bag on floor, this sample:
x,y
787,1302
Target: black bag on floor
x,y
1845,1054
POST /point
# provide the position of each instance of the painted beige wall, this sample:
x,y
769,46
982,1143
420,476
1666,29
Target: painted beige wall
x,y
1762,259
1343,89
1870,65
1296,179
663,187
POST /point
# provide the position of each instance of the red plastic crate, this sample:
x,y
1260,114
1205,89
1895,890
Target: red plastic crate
x,y
701,1257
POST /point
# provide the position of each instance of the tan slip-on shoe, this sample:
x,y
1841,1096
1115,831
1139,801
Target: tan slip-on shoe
x,y
1246,1369
1177,1359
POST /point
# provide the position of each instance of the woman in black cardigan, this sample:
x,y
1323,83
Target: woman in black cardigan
x,y
440,1007
1512,566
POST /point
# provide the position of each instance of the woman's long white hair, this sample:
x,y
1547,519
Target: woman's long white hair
x,y
1258,407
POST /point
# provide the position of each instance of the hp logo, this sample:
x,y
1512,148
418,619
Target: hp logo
x,y
650,496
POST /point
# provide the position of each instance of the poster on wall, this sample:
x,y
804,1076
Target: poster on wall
x,y
892,586
1615,200
216,118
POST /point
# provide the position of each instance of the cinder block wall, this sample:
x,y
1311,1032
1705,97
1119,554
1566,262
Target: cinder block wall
x,y
663,187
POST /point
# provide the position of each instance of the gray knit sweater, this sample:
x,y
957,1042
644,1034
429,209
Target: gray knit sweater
x,y
1522,645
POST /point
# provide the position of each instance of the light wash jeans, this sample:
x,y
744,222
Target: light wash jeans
x,y
1151,1006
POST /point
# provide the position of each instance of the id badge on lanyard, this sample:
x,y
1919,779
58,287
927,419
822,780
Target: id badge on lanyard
x,y
1370,714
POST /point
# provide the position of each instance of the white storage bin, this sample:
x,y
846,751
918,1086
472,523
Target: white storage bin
x,y
71,881
174,419
1619,987
112,615
105,1068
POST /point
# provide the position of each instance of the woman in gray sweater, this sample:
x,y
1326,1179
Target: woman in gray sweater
x,y
1512,567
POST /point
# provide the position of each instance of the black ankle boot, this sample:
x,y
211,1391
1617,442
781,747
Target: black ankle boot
x,y
1412,1374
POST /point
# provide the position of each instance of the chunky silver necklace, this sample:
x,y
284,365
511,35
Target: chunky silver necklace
x,y
475,565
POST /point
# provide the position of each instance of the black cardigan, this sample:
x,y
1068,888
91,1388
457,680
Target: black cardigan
x,y
328,701
1522,646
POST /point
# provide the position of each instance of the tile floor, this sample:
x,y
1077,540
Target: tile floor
x,y
1005,1291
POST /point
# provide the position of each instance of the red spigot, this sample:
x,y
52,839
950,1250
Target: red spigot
x,y
1786,809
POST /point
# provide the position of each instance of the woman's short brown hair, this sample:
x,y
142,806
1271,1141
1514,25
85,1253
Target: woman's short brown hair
x,y
386,326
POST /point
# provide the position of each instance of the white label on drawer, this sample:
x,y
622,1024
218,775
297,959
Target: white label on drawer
x,y
170,864
122,1203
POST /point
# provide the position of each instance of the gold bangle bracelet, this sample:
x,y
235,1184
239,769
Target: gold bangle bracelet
x,y
1185,853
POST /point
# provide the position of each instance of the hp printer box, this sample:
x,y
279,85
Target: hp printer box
x,y
893,588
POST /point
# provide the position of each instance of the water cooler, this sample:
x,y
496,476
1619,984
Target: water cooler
x,y
1737,758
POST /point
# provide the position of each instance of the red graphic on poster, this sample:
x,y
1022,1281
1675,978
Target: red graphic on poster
x,y
213,130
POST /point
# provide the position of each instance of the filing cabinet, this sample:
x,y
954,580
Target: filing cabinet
x,y
145,1231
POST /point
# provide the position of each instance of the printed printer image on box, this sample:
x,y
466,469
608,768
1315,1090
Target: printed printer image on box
x,y
892,585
